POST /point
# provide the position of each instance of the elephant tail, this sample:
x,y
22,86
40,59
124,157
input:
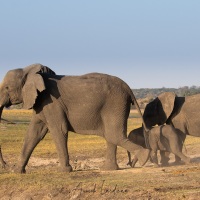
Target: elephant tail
x,y
145,129
134,102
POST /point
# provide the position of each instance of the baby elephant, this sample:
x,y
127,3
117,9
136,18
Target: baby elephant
x,y
137,137
3,163
163,138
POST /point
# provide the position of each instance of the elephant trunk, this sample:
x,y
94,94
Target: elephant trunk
x,y
146,137
1,110
5,120
145,129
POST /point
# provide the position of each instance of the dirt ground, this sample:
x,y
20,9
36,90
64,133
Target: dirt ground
x,y
88,182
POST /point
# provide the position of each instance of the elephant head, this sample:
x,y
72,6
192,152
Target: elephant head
x,y
22,86
159,110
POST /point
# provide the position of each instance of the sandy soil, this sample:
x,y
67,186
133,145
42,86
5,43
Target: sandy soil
x,y
172,182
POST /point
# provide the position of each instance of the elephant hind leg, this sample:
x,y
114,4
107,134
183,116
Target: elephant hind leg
x,y
177,151
184,158
141,153
111,161
180,155
116,134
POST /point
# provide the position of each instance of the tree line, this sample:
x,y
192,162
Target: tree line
x,y
154,92
145,95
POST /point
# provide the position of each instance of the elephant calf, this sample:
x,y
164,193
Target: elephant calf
x,y
3,163
163,138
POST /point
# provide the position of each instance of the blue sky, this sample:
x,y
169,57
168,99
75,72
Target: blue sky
x,y
147,43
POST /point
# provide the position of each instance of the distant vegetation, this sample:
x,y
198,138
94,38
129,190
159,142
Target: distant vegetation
x,y
145,95
154,92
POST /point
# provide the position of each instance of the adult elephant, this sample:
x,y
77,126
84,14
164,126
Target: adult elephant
x,y
90,104
181,112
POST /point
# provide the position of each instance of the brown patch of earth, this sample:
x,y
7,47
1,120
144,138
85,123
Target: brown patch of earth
x,y
88,182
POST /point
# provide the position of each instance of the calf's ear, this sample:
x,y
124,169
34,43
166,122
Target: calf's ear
x,y
34,84
165,105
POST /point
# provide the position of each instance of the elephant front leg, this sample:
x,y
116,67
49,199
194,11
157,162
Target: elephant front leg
x,y
164,158
180,137
111,161
58,127
61,140
154,158
35,133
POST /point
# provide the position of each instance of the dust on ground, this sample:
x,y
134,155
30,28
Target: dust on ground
x,y
172,182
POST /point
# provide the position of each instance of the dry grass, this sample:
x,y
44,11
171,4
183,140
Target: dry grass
x,y
44,181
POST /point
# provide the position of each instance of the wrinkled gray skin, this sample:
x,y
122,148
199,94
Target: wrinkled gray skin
x,y
3,163
181,112
94,103
162,138
137,137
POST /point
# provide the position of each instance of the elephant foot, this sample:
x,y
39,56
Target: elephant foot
x,y
143,156
108,166
19,170
66,169
178,162
155,165
164,164
134,161
187,160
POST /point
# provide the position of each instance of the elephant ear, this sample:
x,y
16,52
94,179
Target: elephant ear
x,y
38,68
33,85
165,105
